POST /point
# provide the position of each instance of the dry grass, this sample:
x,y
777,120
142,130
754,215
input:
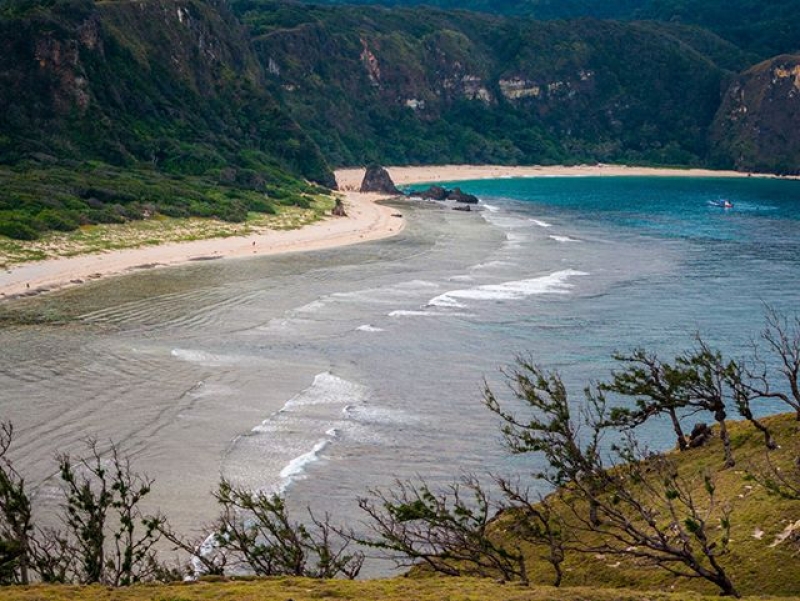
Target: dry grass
x,y
755,563
298,589
158,230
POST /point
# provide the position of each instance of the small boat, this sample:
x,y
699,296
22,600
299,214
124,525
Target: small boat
x,y
723,203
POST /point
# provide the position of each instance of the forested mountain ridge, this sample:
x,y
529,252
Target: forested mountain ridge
x,y
133,81
114,109
426,86
762,28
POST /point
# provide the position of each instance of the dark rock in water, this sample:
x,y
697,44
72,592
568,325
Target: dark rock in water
x,y
700,435
338,209
460,196
433,193
377,179
464,208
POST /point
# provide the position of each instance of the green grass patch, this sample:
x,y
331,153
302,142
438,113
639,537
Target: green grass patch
x,y
99,208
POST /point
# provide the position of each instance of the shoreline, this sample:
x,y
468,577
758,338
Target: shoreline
x,y
366,221
349,179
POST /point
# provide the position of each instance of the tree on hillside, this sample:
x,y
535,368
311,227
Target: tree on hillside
x,y
448,532
638,502
254,529
110,540
16,517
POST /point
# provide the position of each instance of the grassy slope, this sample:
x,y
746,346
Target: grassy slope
x,y
298,589
755,566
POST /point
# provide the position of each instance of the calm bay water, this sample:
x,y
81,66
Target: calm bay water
x,y
328,373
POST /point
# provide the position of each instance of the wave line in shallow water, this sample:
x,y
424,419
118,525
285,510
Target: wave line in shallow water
x,y
555,283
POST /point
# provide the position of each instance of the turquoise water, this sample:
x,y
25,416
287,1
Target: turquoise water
x,y
725,264
328,373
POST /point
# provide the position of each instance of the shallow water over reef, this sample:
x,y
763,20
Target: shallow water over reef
x,y
327,373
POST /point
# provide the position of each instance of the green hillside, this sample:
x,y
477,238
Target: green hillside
x,y
120,110
116,110
425,86
762,28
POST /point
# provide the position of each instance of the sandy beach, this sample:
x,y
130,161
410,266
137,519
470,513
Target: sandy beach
x,y
350,179
366,221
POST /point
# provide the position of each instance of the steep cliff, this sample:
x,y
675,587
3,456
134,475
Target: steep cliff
x,y
171,84
757,124
421,85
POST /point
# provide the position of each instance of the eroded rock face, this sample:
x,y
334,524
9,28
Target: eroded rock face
x,y
459,196
754,128
377,179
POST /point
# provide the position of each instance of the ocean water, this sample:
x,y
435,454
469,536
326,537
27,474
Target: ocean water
x,y
326,374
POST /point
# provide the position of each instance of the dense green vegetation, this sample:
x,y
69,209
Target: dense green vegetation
x,y
106,118
761,28
37,199
426,86
119,110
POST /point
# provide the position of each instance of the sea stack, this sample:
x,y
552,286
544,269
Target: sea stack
x,y
377,179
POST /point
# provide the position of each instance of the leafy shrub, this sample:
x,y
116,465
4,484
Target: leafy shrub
x,y
18,230
61,221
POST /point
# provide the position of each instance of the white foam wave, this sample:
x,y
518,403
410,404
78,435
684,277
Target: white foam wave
x,y
327,388
491,264
491,208
296,467
369,328
541,223
371,415
446,302
204,357
461,278
403,313
555,283
563,239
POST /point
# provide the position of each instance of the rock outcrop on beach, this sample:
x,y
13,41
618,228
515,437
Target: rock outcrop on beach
x,y
338,209
377,179
441,194
459,196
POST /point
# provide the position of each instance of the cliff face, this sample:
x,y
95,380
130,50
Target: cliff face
x,y
172,84
419,85
757,124
190,87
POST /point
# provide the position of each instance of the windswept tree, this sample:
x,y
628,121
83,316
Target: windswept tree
x,y
257,534
635,503
446,531
16,517
779,349
655,388
109,538
699,381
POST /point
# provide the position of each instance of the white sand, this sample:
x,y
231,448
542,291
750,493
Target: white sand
x,y
351,178
366,220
